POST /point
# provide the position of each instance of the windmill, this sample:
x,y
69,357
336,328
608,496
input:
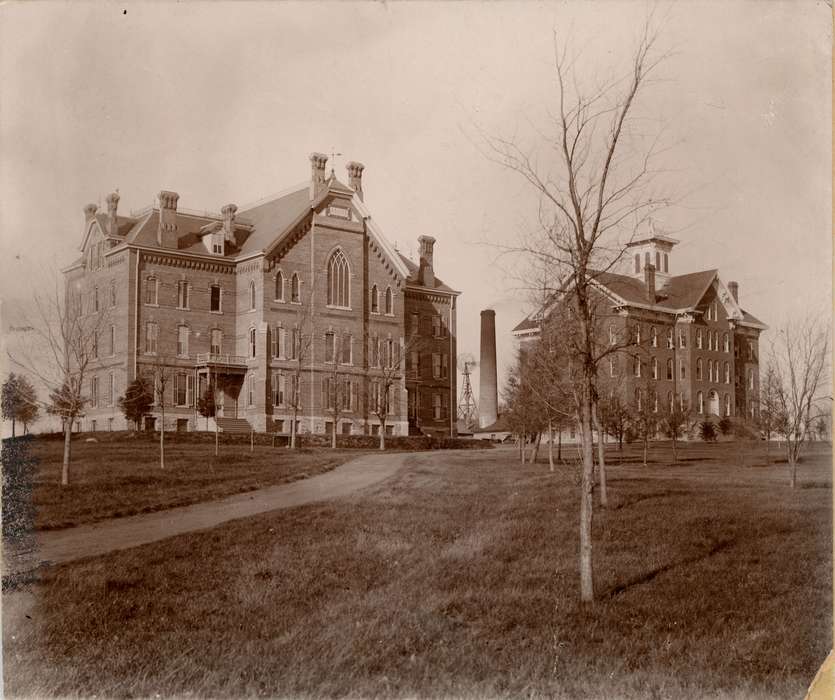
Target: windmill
x,y
467,409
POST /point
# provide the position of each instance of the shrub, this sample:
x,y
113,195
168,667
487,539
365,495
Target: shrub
x,y
707,431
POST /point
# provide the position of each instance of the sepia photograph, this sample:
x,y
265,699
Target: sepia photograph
x,y
417,349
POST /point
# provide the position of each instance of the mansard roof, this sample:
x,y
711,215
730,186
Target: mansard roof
x,y
272,218
680,293
414,277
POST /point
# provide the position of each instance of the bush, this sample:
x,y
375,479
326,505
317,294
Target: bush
x,y
707,431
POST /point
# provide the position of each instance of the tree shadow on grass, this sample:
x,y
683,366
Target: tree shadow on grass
x,y
648,576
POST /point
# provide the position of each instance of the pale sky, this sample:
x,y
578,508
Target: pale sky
x,y
224,102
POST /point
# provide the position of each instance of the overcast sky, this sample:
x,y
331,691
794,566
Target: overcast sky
x,y
224,102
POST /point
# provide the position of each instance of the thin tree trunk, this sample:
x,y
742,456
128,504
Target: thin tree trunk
x,y
559,445
382,436
217,436
601,460
13,423
586,505
536,447
162,440
333,434
646,448
551,445
65,467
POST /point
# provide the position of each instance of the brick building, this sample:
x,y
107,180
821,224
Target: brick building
x,y
686,338
299,293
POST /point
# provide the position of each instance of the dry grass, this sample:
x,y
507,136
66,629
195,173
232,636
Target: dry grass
x,y
123,477
457,578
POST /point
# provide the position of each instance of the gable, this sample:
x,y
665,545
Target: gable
x,y
718,291
92,234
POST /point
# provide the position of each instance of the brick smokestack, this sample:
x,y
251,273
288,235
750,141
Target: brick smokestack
x,y
649,281
112,206
167,231
733,288
318,161
89,212
488,393
355,177
427,271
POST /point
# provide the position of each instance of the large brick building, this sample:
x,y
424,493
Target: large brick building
x,y
680,338
299,293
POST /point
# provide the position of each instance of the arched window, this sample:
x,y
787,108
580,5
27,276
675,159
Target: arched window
x,y
151,290
670,339
252,296
338,280
638,399
710,370
670,368
727,373
646,259
727,405
670,401
654,336
654,401
252,342
700,402
295,284
657,261
95,298
112,294
699,338
666,263
637,262
655,368
279,286
699,370
612,336
389,301
726,346
375,300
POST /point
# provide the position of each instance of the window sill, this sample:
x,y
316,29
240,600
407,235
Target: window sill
x,y
279,301
219,313
154,305
334,307
183,308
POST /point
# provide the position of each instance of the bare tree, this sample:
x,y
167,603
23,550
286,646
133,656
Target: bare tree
x,y
301,345
338,391
676,421
645,417
61,351
798,366
593,191
161,373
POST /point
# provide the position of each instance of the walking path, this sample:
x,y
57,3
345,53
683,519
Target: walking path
x,y
57,546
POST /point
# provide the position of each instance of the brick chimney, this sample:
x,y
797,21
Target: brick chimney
x,y
112,206
318,161
167,230
733,287
649,281
89,212
355,177
228,212
426,273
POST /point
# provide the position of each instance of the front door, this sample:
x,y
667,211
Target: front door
x,y
713,403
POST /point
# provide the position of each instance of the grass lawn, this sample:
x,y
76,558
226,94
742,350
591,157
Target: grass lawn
x,y
122,477
459,578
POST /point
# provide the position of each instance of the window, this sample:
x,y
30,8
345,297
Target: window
x,y
414,364
699,369
682,369
436,365
727,373
112,294
375,351
726,343
151,291
637,262
654,336
654,401
94,392
415,323
636,335
295,349
750,350
700,402
750,378
391,359
699,338
274,342
295,285
638,402
444,366
670,404
95,345
646,259
436,326
389,301
347,349
182,341
728,405
214,294
279,386
151,330
612,335
655,368
95,298
682,338
636,366
252,296
339,280
611,366
112,344
279,286
216,341
330,347
682,401
282,342
666,263
436,406
669,368
252,342
111,388
250,393
670,341
183,389
657,261
182,294
710,370
375,300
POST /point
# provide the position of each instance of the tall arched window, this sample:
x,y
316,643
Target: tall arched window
x,y
389,301
710,370
700,400
666,263
726,345
375,300
338,280
646,259
670,368
252,296
279,286
727,373
655,368
638,399
295,285
252,342
699,370
727,405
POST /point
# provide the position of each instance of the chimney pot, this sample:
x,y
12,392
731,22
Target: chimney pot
x,y
355,177
90,211
318,161
112,206
649,281
733,287
228,212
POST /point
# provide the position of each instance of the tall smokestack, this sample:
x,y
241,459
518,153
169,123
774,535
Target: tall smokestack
x,y
488,394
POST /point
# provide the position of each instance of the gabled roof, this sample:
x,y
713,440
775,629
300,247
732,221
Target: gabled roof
x,y
414,278
272,218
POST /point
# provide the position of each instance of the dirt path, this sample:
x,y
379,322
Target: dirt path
x,y
57,546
